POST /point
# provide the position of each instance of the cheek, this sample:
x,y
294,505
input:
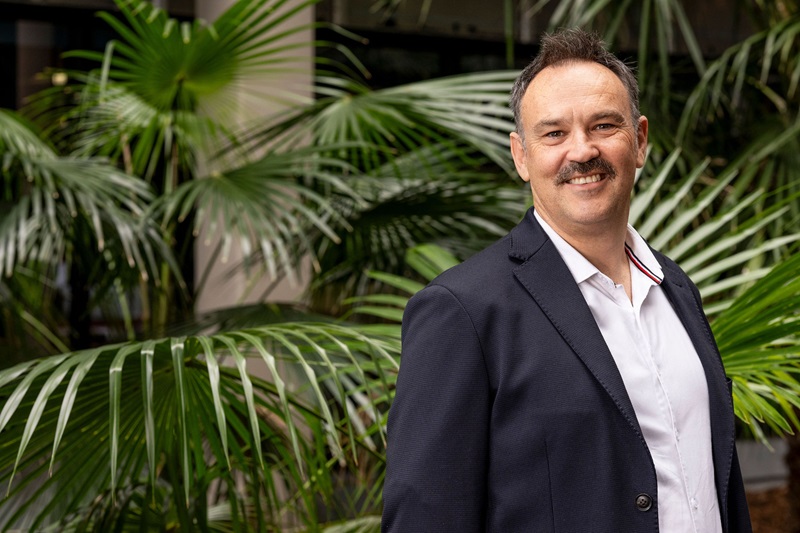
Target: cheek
x,y
545,163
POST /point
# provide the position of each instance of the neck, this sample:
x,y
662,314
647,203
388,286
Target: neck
x,y
604,247
606,252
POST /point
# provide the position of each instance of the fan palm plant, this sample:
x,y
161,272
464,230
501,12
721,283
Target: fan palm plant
x,y
366,154
64,209
430,164
158,431
141,113
161,99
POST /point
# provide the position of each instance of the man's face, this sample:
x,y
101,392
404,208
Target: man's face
x,y
581,148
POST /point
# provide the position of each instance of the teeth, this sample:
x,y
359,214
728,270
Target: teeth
x,y
585,179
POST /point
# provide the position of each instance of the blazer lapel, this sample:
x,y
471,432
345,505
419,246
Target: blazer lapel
x,y
546,277
719,395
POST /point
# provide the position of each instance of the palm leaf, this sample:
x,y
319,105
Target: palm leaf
x,y
55,197
263,208
467,112
221,416
757,336
747,65
716,232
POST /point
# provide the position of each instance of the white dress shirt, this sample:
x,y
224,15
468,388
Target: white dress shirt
x,y
663,377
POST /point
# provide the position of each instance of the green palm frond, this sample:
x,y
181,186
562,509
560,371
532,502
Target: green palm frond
x,y
762,73
715,224
52,198
78,214
429,159
263,207
364,524
174,411
166,92
759,341
176,65
467,112
656,24
119,124
428,260
462,210
469,109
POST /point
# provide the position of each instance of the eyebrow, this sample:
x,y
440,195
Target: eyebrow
x,y
601,115
547,123
613,115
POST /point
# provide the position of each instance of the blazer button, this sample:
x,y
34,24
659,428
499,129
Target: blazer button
x,y
644,502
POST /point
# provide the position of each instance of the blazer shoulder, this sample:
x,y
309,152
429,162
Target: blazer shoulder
x,y
672,268
481,272
493,265
676,276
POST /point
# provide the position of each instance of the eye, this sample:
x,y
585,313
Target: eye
x,y
605,126
554,134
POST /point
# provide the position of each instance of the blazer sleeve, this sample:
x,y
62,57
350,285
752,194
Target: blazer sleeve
x,y
438,423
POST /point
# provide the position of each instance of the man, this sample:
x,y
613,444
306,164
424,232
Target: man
x,y
565,379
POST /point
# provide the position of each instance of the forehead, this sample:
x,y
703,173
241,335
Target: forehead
x,y
574,83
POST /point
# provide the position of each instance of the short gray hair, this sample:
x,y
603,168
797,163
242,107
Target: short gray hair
x,y
572,45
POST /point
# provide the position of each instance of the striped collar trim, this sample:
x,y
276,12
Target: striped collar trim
x,y
656,278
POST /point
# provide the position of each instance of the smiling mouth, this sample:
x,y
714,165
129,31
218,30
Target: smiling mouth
x,y
583,180
583,173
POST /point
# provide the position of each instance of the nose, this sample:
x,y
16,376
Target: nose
x,y
582,147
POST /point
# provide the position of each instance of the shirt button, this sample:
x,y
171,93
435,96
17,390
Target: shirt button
x,y
644,502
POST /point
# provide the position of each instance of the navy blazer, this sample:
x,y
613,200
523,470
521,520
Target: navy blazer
x,y
510,414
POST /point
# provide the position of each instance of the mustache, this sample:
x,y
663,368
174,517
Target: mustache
x,y
597,165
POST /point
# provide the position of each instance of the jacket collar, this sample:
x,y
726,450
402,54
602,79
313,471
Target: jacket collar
x,y
527,237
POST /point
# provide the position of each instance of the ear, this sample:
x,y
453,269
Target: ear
x,y
641,138
519,154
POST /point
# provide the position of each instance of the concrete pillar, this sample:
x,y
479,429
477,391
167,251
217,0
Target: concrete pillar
x,y
223,289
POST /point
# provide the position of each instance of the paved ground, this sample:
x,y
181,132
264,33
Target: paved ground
x,y
769,510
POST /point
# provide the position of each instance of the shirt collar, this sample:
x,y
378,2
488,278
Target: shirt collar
x,y
636,248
